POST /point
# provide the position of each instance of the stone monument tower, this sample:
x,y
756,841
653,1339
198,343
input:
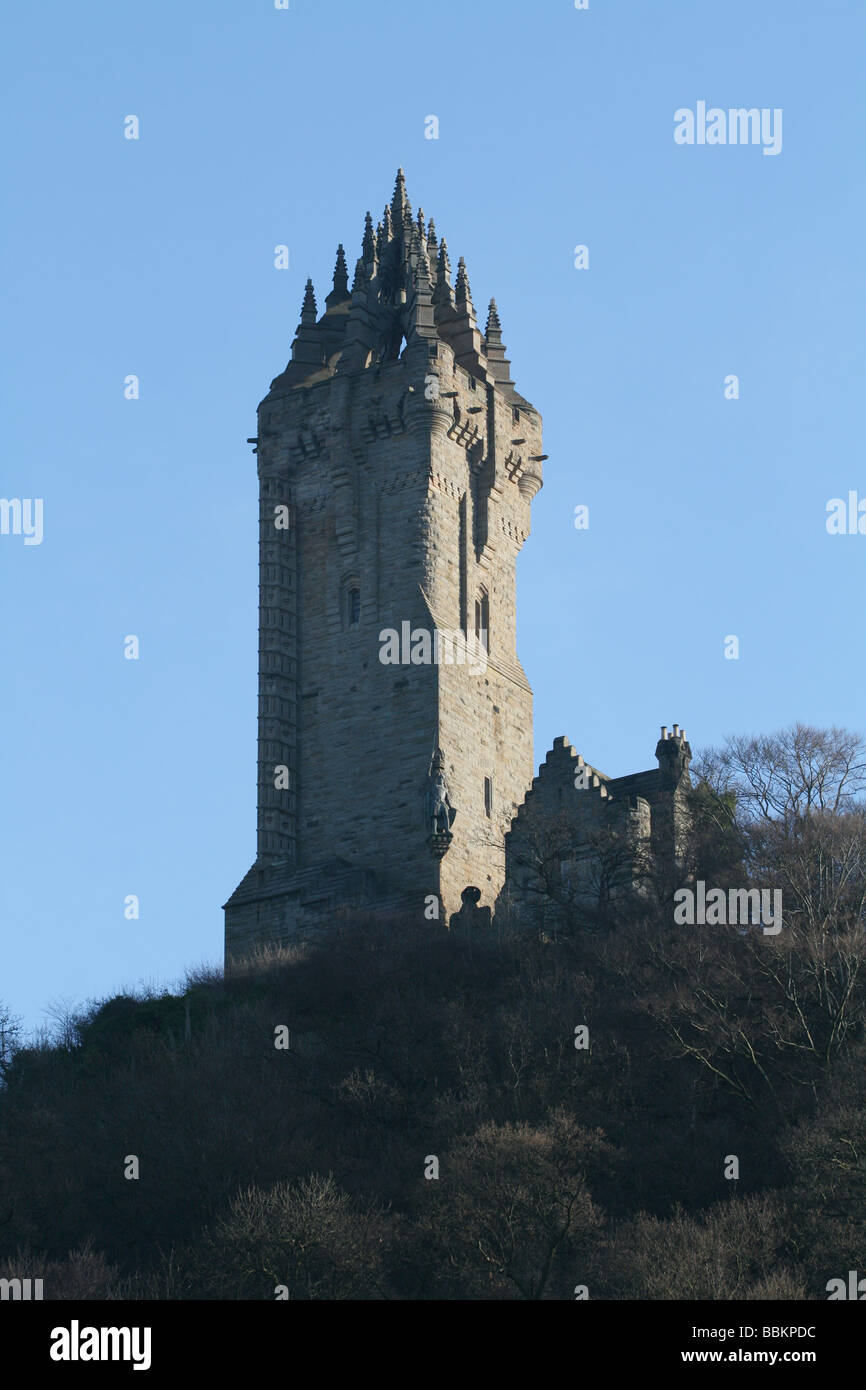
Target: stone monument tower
x,y
397,464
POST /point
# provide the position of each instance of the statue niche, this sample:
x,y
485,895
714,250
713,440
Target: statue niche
x,y
440,810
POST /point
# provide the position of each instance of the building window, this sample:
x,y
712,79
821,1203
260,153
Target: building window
x,y
482,621
515,415
488,796
353,606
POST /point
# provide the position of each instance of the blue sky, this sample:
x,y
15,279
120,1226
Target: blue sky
x,y
155,257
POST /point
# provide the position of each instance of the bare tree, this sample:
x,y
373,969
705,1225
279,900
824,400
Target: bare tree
x,y
63,1016
763,1017
10,1038
789,774
521,1221
819,862
572,875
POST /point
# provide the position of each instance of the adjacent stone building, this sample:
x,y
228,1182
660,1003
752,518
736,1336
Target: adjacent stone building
x,y
397,464
581,838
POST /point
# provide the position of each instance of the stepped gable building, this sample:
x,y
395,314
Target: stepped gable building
x,y
397,464
583,837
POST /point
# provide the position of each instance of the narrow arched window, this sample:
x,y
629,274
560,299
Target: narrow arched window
x,y
353,606
482,620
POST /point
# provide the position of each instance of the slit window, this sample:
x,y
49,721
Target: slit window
x,y
353,606
482,621
488,796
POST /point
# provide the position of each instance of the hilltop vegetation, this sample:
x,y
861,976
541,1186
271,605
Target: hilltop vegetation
x,y
307,1167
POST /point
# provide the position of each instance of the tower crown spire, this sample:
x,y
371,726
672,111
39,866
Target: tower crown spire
x,y
494,349
340,292
444,293
462,292
306,349
308,308
402,291
368,245
400,205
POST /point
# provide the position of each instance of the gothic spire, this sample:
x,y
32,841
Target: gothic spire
x,y
494,349
308,308
402,285
307,347
422,275
400,205
444,295
462,292
423,313
432,249
340,292
461,327
368,246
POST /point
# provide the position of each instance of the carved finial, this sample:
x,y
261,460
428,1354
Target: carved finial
x,y
422,230
494,350
432,249
341,274
424,317
463,294
444,293
400,203
422,274
368,245
308,309
360,278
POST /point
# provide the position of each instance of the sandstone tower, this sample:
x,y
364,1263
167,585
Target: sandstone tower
x,y
397,464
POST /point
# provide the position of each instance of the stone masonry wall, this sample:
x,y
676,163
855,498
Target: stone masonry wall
x,y
478,521
365,730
